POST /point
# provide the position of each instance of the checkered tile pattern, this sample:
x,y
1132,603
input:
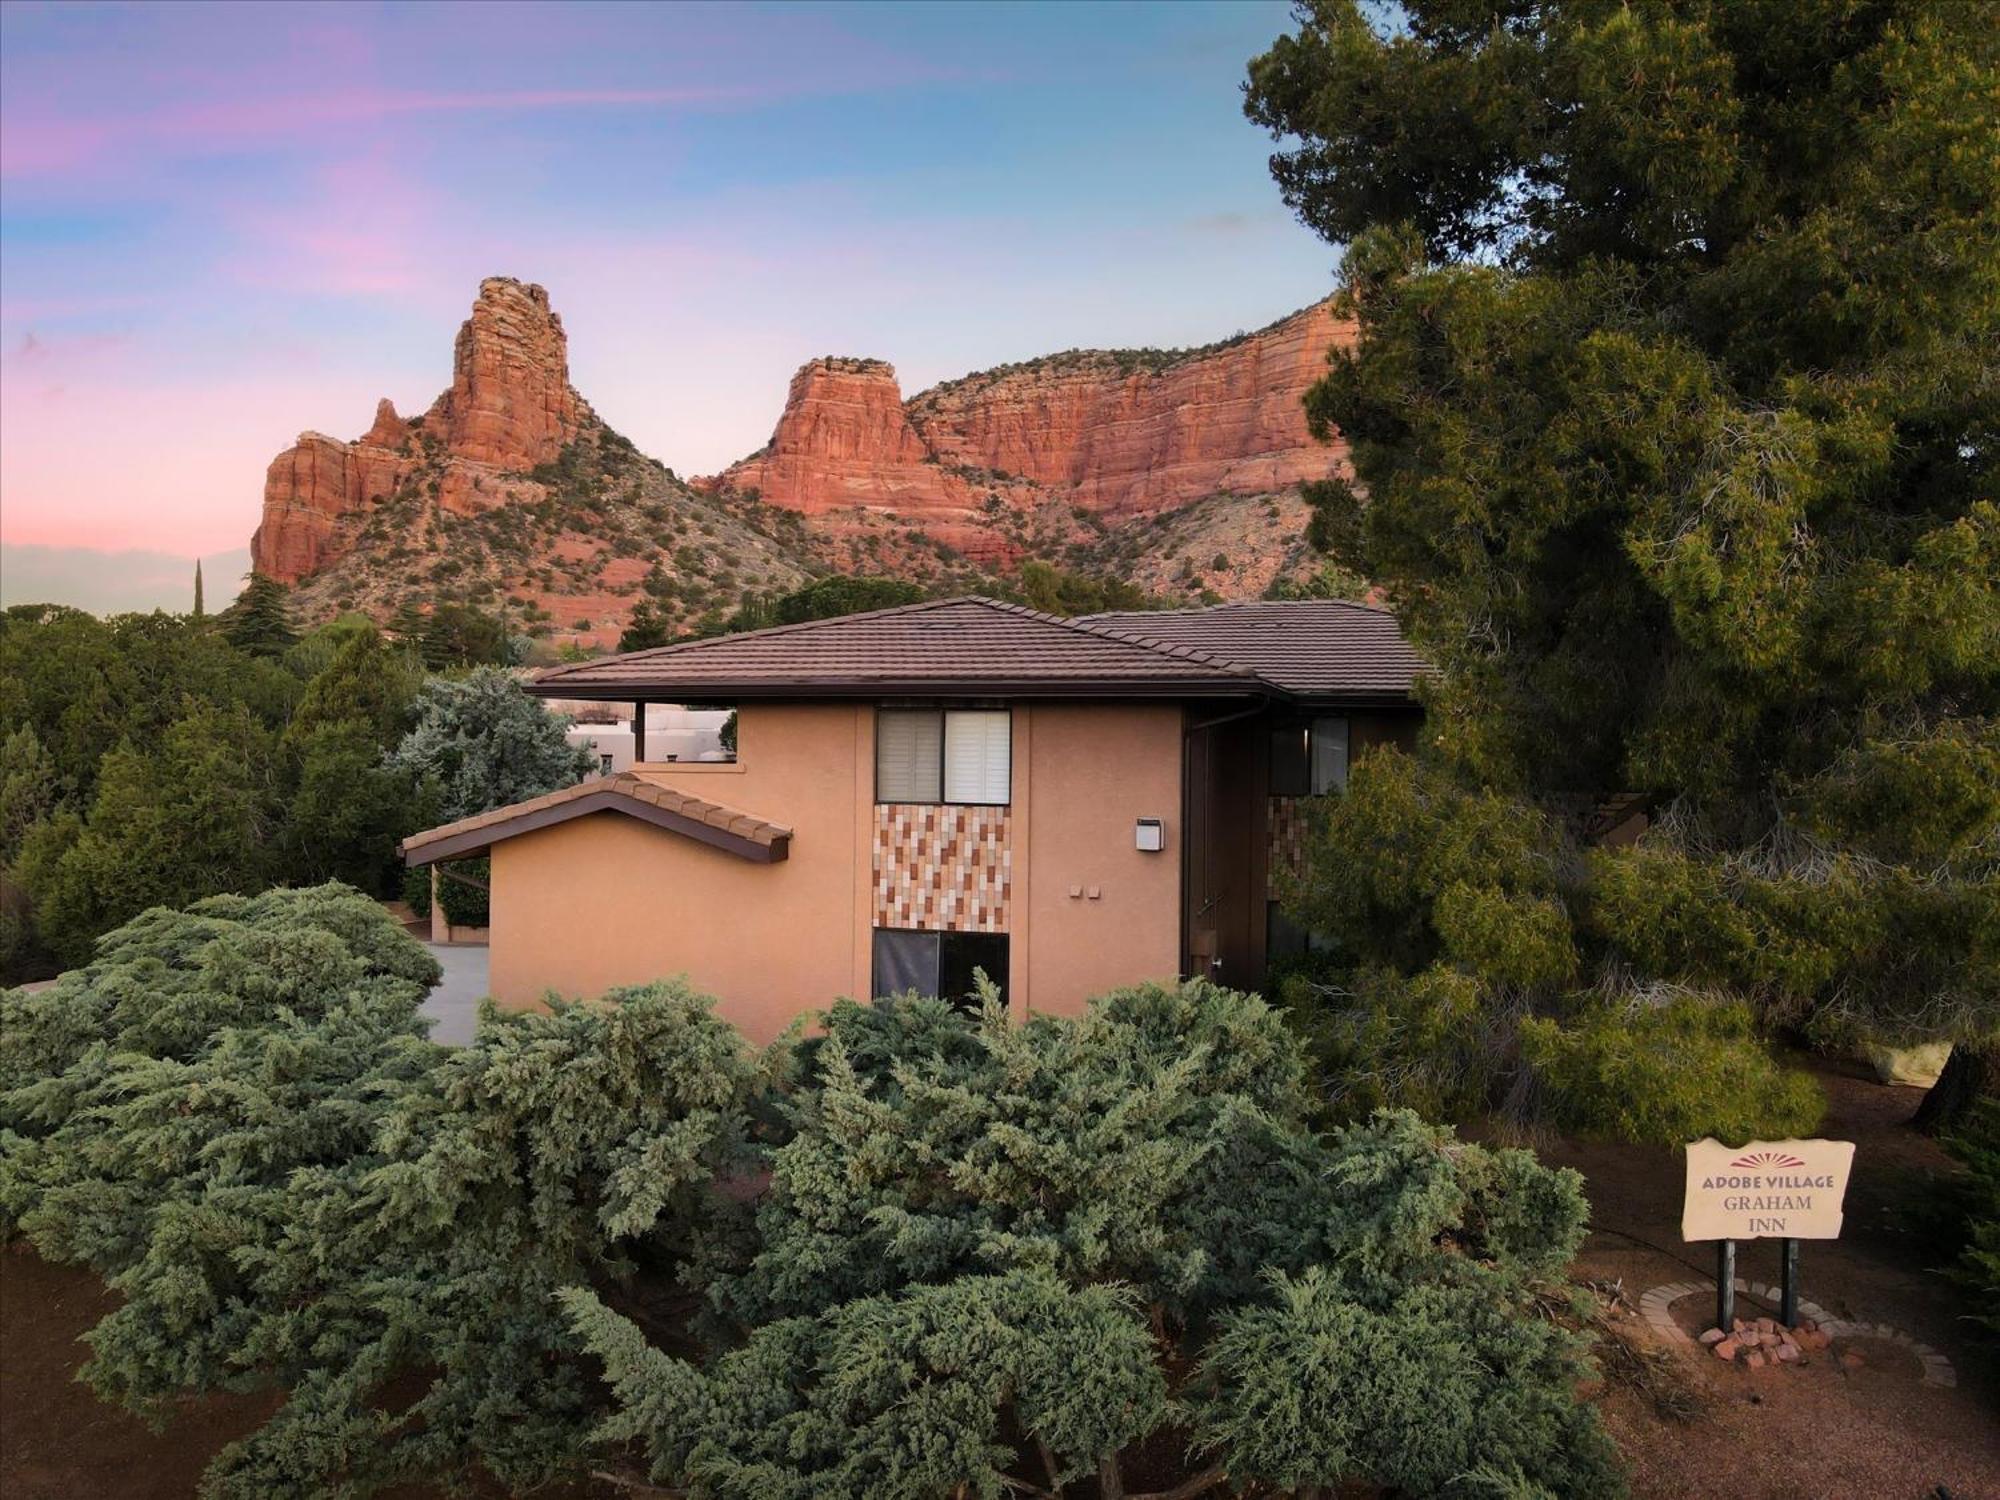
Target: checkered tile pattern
x,y
1285,828
941,868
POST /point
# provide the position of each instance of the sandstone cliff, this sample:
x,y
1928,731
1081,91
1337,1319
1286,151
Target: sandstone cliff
x,y
1176,470
510,408
1114,433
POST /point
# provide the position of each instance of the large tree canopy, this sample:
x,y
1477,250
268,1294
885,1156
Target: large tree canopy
x,y
1673,418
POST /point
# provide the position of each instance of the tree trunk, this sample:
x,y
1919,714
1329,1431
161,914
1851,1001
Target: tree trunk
x,y
1970,1074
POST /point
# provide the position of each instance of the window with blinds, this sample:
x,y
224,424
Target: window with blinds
x,y
944,755
978,756
909,756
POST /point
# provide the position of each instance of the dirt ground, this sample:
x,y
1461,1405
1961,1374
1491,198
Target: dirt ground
x,y
59,1442
1822,1432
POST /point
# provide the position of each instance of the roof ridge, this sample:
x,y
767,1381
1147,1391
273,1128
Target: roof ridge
x,y
1162,648
1209,609
1085,626
650,653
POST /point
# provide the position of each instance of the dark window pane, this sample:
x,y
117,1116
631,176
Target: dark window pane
x,y
1291,774
905,961
961,953
1283,938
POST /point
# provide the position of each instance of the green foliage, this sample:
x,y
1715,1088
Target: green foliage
x,y
457,635
903,1397
259,623
30,789
1976,1144
1463,949
479,742
1669,1072
648,626
1058,591
464,903
1071,1238
233,1115
146,760
1329,581
1672,407
842,595
164,828
345,810
417,889
1322,1381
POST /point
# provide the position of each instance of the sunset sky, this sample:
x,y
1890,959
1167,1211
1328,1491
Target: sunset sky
x,y
220,225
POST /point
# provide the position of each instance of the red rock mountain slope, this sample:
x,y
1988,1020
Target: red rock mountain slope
x,y
1174,469
1113,433
510,407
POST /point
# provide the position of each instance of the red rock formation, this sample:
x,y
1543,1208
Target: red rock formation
x,y
510,404
1118,434
845,439
510,407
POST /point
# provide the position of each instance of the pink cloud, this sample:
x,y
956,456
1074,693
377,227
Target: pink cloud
x,y
49,144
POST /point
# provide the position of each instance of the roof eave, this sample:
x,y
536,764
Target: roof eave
x,y
436,844
850,689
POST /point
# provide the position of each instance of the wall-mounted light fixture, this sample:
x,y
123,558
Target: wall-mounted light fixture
x,y
1151,836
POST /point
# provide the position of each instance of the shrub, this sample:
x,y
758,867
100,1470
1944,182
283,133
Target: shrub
x,y
990,1249
1668,1073
1976,1144
232,1113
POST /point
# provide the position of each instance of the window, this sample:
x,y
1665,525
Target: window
x,y
1308,759
1328,743
944,755
603,765
938,963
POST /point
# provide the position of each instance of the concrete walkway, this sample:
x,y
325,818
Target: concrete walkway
x,y
453,1004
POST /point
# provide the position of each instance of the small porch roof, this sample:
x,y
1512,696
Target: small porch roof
x,y
635,794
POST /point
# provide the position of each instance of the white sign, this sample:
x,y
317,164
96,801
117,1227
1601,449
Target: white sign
x,y
1765,1190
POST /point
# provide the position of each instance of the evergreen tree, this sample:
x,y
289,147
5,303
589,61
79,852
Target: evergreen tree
x,y
648,626
200,613
841,594
479,742
188,820
259,623
1673,408
457,635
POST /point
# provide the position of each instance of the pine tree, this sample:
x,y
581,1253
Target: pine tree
x,y
260,621
200,613
1672,405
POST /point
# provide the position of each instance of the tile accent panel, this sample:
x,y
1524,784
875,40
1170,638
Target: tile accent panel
x,y
942,868
1285,828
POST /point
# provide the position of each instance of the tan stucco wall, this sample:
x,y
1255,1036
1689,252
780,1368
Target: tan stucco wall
x,y
1091,773
608,900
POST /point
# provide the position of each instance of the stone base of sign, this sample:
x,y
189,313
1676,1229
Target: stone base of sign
x,y
1657,1304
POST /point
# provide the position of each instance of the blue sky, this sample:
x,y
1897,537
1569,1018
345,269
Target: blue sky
x,y
221,225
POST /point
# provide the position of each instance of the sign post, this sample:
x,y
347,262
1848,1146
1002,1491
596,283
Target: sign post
x,y
1783,1190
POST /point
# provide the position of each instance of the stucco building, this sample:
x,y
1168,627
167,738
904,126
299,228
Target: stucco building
x,y
1067,805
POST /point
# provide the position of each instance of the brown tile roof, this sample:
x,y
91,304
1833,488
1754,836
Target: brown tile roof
x,y
1313,648
633,793
961,647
